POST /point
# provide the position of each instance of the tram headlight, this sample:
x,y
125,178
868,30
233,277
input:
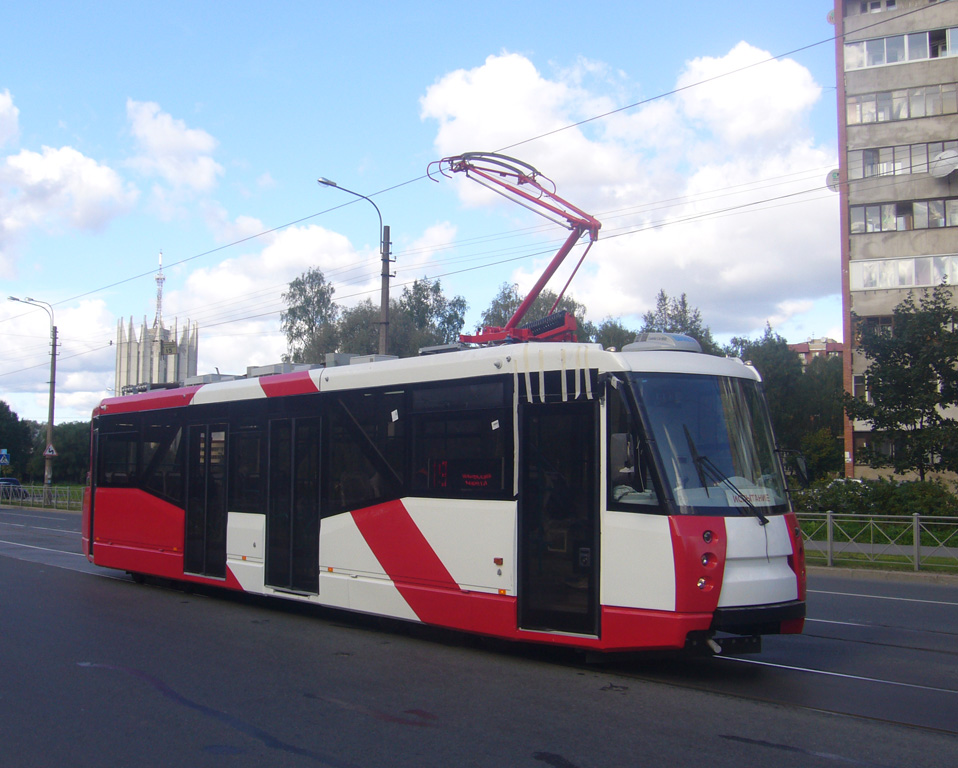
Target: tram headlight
x,y
707,537
709,560
704,583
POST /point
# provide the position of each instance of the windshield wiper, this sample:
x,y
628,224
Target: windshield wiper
x,y
706,467
696,460
720,477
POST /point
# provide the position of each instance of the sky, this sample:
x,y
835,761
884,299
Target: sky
x,y
701,140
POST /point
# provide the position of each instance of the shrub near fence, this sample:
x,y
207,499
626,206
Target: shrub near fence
x,y
903,524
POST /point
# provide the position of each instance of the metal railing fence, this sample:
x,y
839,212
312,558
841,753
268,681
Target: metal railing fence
x,y
54,497
918,541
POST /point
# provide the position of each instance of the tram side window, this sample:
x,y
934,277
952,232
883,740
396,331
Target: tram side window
x,y
117,459
366,432
629,481
163,461
462,441
246,473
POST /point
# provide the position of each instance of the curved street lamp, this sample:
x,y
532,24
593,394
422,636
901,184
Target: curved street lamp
x,y
384,253
48,453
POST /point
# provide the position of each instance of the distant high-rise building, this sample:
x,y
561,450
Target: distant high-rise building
x,y
897,75
155,358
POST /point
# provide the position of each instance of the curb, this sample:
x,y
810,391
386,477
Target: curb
x,y
862,574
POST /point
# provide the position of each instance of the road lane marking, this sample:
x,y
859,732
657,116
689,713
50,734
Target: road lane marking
x,y
837,674
39,528
883,597
44,549
32,517
843,623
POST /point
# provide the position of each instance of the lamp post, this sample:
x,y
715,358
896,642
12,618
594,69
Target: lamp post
x,y
48,453
384,253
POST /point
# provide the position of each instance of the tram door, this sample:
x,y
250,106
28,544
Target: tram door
x,y
292,514
205,546
558,502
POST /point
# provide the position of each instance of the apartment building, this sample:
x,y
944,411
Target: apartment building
x,y
897,75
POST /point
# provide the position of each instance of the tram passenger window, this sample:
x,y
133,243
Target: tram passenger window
x,y
461,454
365,461
247,464
163,461
629,482
117,459
462,441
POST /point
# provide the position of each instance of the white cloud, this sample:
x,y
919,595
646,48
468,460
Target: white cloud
x,y
61,185
716,192
56,188
9,119
762,100
180,156
237,302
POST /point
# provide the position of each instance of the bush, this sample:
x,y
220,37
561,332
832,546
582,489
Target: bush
x,y
877,497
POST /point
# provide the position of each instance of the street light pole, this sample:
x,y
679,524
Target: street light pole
x,y
384,253
48,452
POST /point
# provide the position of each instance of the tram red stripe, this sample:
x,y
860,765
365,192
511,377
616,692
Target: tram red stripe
x,y
148,401
407,558
298,383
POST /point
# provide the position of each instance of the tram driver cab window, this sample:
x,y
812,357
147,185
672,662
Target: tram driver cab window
x,y
629,481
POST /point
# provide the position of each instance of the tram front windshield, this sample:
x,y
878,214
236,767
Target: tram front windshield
x,y
714,443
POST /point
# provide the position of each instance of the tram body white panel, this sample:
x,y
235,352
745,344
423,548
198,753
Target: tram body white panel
x,y
674,362
357,580
368,595
468,536
246,550
229,391
756,563
638,570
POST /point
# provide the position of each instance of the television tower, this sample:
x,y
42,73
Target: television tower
x,y
160,279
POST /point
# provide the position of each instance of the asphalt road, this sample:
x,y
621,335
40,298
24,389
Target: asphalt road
x,y
96,670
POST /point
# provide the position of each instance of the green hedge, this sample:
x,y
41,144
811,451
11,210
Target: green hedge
x,y
877,497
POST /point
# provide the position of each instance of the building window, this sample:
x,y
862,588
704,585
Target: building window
x,y
894,161
895,49
912,272
904,216
873,6
886,106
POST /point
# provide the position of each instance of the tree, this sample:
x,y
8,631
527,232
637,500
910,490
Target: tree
x,y
424,317
676,316
805,404
781,372
911,380
310,320
72,441
507,301
822,411
358,328
611,333
16,437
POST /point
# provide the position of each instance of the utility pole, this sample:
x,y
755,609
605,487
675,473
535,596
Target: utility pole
x,y
384,294
48,453
384,252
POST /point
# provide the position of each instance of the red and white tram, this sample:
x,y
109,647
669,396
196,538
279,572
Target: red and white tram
x,y
543,492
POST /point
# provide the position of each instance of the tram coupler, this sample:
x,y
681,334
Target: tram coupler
x,y
706,644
